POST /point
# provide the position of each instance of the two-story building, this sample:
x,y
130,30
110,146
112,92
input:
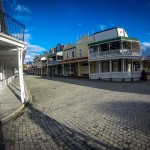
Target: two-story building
x,y
114,56
53,58
12,51
75,58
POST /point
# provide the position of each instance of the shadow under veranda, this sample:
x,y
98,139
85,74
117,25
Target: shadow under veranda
x,y
127,87
2,144
63,135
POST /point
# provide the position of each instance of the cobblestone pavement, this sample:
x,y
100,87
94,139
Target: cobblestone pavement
x,y
80,114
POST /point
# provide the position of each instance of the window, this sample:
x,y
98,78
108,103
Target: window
x,y
72,54
126,45
116,65
105,47
80,52
67,56
105,66
115,45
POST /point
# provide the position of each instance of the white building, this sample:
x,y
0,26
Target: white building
x,y
114,56
12,51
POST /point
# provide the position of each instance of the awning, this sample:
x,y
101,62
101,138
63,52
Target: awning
x,y
44,58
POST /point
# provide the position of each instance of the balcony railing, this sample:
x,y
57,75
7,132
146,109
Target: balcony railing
x,y
108,75
11,27
52,63
111,53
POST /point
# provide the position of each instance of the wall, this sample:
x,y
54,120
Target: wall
x,y
68,49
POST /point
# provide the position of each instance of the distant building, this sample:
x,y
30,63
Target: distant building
x,y
106,55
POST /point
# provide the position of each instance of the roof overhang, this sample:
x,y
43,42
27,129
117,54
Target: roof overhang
x,y
9,47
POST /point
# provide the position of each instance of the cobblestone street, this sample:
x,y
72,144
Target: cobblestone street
x,y
81,114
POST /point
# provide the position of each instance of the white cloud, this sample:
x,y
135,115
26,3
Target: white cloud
x,y
102,27
27,37
145,49
79,24
33,50
22,8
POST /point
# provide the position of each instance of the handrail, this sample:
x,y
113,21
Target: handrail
x,y
11,26
115,52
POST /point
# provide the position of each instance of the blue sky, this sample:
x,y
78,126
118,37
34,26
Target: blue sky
x,y
50,22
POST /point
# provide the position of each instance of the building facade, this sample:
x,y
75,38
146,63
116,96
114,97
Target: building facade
x,y
114,56
12,51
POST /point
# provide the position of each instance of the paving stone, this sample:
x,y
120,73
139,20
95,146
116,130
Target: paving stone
x,y
82,114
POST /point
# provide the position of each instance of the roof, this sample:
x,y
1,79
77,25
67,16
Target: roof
x,y
106,30
114,39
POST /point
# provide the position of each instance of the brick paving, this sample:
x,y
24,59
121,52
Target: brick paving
x,y
80,114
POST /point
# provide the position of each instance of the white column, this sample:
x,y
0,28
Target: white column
x,y
99,68
123,67
132,65
41,71
20,60
98,48
110,68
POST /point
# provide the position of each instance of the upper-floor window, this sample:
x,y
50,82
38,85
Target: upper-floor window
x,y
80,52
114,45
105,47
67,56
72,54
126,45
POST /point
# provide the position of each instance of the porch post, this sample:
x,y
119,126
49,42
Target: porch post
x,y
98,48
20,60
89,70
41,71
79,69
110,68
70,70
123,67
57,70
99,68
132,65
63,70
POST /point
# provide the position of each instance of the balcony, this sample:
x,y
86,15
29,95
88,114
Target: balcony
x,y
11,27
116,75
114,54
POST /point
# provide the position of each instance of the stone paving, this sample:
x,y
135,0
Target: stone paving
x,y
80,114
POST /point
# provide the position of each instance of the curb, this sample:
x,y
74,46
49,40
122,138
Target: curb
x,y
14,114
18,112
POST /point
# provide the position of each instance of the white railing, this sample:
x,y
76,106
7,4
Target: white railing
x,y
118,52
107,75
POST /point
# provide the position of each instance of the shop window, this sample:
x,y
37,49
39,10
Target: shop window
x,y
105,66
116,65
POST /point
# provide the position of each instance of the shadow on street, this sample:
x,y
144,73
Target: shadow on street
x,y
63,135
